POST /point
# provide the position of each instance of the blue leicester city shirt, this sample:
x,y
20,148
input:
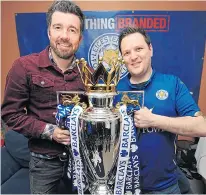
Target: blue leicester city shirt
x,y
164,95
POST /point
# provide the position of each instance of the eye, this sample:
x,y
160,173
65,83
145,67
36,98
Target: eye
x,y
72,30
138,48
57,27
126,53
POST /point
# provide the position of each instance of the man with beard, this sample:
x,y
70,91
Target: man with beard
x,y
30,96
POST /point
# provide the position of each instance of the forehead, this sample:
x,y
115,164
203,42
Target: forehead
x,y
65,19
133,39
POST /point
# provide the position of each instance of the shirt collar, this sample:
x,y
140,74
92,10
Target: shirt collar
x,y
146,83
73,64
45,60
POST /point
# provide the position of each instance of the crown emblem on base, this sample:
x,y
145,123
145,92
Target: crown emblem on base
x,y
103,78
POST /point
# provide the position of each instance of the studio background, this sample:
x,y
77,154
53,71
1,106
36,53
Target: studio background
x,y
10,48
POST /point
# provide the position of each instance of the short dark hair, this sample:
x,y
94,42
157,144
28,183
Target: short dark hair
x,y
130,30
65,6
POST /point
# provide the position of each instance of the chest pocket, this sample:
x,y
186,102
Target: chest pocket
x,y
42,88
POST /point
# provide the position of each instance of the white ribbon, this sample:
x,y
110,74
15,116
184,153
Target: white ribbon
x,y
74,134
124,150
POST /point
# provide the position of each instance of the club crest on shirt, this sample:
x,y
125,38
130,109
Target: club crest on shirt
x,y
162,94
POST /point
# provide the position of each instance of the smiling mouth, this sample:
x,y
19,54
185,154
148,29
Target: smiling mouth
x,y
136,64
63,45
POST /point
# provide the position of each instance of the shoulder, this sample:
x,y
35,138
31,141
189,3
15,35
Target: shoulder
x,y
31,59
166,77
123,83
168,80
171,83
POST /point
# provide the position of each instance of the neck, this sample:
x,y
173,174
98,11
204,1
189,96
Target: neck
x,y
63,64
141,78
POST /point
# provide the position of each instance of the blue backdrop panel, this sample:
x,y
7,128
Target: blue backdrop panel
x,y
178,38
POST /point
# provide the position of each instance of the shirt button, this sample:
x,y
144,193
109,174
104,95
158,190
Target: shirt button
x,y
42,82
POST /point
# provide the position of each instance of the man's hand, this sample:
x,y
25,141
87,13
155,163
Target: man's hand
x,y
61,136
143,118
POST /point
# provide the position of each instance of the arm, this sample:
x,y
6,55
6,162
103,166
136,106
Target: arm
x,y
16,99
59,135
187,125
189,120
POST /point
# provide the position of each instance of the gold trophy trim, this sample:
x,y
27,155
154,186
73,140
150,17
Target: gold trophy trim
x,y
69,100
91,77
125,100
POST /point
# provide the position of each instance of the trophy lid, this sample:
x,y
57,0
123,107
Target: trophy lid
x,y
103,79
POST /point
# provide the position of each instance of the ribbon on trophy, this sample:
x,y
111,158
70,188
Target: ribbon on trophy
x,y
61,116
68,117
124,151
74,124
132,181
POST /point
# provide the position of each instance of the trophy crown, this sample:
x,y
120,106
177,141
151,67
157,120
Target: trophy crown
x,y
102,79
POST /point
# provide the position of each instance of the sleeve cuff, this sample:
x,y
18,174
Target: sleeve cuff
x,y
48,131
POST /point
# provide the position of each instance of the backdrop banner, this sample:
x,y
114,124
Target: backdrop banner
x,y
178,39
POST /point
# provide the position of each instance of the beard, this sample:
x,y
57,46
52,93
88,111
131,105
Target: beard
x,y
63,53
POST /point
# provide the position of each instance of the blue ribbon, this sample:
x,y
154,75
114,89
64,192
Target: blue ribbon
x,y
60,115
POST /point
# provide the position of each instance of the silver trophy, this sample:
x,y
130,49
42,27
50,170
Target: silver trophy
x,y
98,124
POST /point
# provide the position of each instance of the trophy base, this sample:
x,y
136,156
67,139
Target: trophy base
x,y
100,189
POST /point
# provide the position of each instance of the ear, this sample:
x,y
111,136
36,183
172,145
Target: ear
x,y
48,33
80,38
151,49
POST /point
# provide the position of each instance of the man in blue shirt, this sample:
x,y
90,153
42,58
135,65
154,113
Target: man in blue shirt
x,y
169,109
